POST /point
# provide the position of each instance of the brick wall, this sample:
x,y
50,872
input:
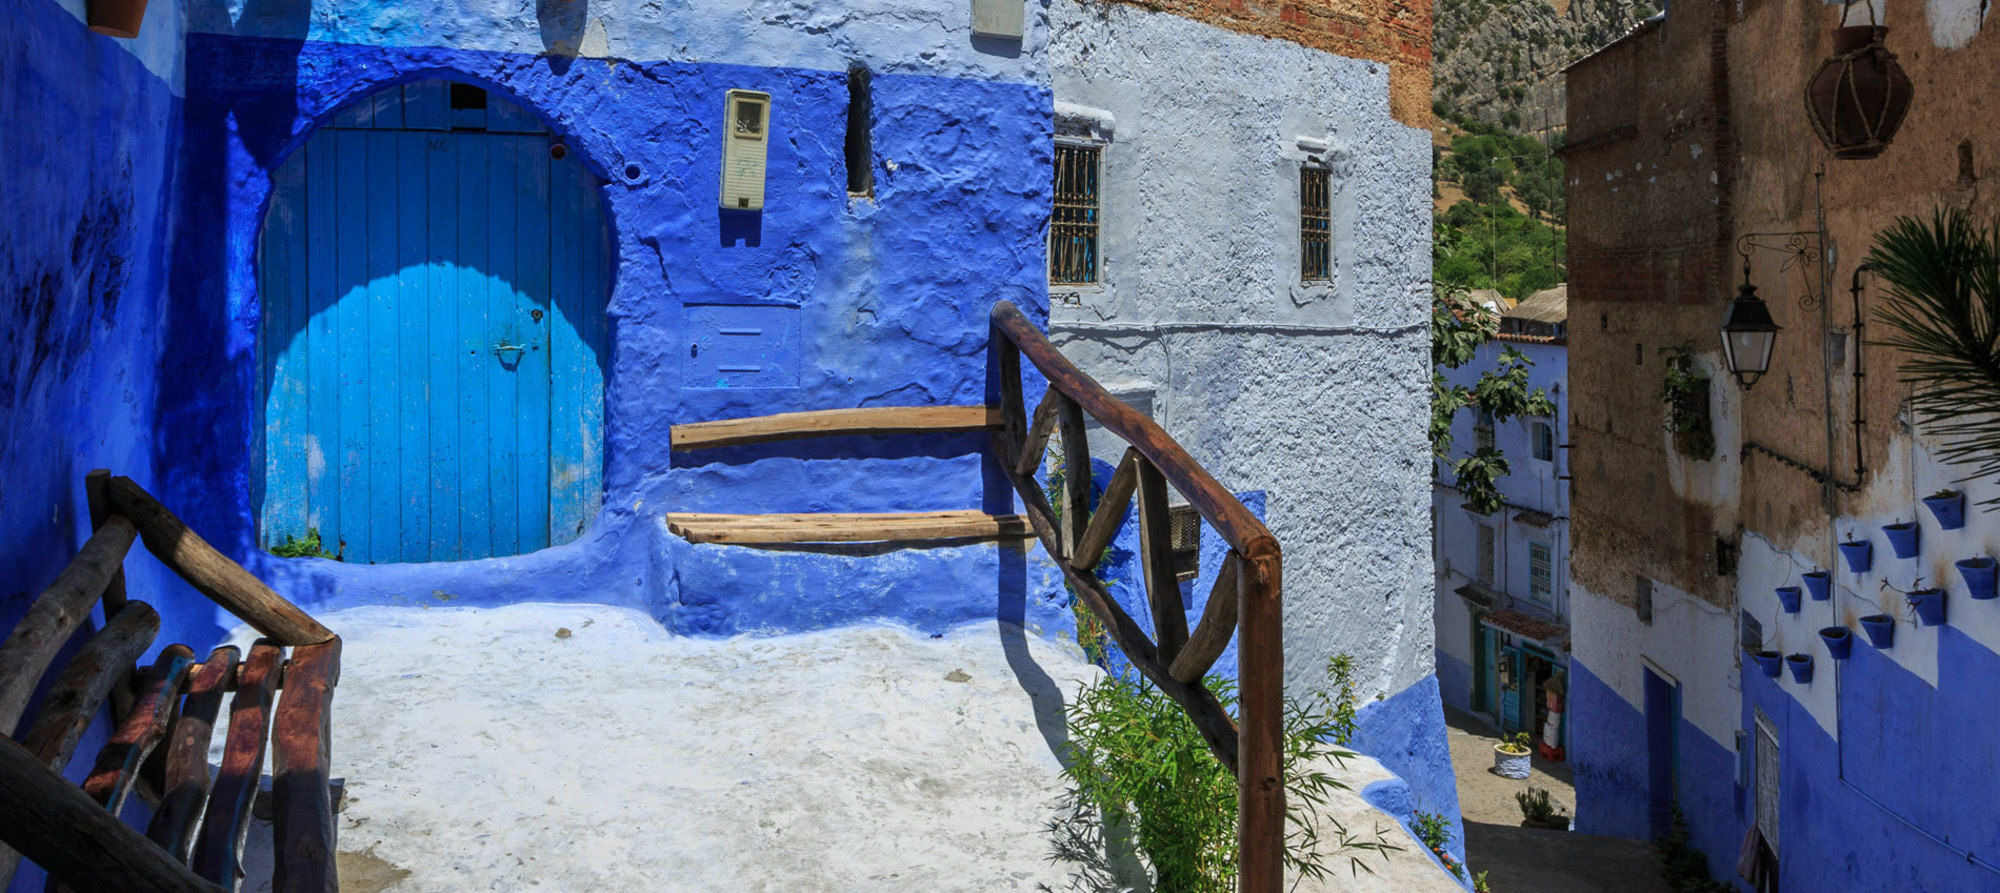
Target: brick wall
x,y
1394,32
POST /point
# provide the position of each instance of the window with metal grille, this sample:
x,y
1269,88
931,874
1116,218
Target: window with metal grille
x,y
1185,525
1545,442
1541,574
1486,545
1482,431
1073,228
1315,226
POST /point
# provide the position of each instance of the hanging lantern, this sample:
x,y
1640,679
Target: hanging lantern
x,y
1859,97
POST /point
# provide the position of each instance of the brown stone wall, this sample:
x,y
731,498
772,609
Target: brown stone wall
x,y
1394,32
1687,135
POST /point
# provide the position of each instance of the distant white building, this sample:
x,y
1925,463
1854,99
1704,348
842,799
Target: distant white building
x,y
1502,578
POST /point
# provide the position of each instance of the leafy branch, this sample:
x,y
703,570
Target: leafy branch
x,y
1458,327
1943,279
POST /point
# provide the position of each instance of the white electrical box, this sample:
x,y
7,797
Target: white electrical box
x,y
746,141
999,18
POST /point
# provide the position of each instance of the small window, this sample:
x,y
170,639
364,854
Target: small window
x,y
1486,545
1315,226
1541,572
1184,523
1545,441
860,142
1482,431
1073,227
1642,598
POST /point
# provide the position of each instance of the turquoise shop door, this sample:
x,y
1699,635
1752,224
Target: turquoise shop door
x,y
433,273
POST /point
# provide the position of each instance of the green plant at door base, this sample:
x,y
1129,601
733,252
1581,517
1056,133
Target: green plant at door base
x,y
1141,776
1686,869
307,546
1536,805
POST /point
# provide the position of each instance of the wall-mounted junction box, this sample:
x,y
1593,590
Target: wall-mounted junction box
x,y
746,142
999,18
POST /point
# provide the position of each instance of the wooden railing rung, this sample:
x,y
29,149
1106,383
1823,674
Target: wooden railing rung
x,y
212,573
1218,625
1110,513
79,692
56,615
1076,475
97,496
1013,406
228,816
1156,558
1037,441
187,778
77,841
118,763
302,800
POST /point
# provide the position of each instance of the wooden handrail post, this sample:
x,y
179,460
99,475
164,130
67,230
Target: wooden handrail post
x,y
1156,554
1076,475
1260,787
1013,404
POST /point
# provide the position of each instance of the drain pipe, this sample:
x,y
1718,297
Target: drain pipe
x,y
1860,371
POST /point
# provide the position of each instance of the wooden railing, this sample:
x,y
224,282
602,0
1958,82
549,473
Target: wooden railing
x,y
163,719
1246,598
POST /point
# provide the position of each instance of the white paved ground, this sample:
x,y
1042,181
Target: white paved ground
x,y
488,750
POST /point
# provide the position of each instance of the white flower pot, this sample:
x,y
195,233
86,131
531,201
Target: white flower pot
x,y
1510,765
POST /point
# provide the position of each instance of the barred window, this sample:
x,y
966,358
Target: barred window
x,y
1185,524
1541,576
1315,226
1482,431
1073,229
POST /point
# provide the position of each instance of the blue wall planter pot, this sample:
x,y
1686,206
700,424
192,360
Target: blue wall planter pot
x,y
1950,510
1801,667
1860,555
1771,662
1881,630
1789,597
1979,576
1902,538
1839,642
1819,584
1929,605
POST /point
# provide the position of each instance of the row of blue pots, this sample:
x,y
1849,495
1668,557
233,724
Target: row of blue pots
x,y
1904,536
1982,583
1771,663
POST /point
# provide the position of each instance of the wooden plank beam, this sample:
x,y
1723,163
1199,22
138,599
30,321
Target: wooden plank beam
x,y
56,615
1260,787
832,422
1037,441
187,778
777,529
1156,557
1075,495
77,841
79,691
1218,625
1217,729
117,767
1110,513
303,802
228,817
211,572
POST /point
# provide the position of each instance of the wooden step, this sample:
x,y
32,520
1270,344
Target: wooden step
x,y
837,527
829,422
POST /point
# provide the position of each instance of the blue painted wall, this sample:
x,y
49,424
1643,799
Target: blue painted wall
x,y
1406,733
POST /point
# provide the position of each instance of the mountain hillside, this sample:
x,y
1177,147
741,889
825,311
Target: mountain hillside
x,y
1500,61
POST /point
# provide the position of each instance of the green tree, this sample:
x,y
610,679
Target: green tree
x,y
1458,328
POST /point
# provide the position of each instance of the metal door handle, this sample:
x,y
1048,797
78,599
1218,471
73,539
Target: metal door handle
x,y
504,347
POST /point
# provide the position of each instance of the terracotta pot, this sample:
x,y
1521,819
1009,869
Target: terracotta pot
x,y
117,18
1858,99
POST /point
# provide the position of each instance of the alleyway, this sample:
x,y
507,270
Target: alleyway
x,y
1531,860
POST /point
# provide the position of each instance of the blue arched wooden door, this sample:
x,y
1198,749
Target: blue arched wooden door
x,y
434,275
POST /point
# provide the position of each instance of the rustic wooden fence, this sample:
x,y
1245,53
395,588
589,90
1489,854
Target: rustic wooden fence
x,y
1246,599
164,716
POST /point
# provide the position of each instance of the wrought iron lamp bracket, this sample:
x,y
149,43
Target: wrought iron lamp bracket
x,y
1803,248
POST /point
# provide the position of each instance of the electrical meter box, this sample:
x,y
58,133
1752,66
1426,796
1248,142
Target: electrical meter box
x,y
746,141
998,18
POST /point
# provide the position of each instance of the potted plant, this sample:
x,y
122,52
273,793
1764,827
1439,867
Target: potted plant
x,y
1902,538
1860,555
1839,642
1979,577
1511,756
1881,630
1788,596
1928,604
1819,584
1538,812
1801,667
1949,507
1771,662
